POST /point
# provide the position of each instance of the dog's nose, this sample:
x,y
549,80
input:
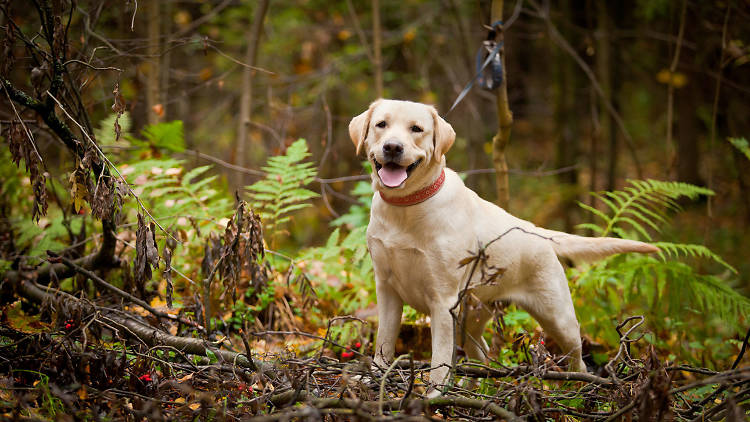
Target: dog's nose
x,y
393,149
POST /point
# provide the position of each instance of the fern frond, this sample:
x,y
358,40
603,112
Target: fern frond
x,y
642,205
281,192
741,145
674,250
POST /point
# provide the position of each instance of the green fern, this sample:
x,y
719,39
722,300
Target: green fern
x,y
175,196
672,294
674,250
643,204
741,145
281,192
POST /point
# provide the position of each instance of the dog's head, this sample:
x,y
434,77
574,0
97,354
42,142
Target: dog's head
x,y
404,142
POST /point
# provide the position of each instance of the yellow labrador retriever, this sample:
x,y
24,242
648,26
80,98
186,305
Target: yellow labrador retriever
x,y
424,220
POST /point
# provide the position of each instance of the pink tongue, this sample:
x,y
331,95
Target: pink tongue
x,y
392,176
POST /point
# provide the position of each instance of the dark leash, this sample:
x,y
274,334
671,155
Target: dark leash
x,y
489,73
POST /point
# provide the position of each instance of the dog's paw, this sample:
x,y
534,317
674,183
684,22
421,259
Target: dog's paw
x,y
433,393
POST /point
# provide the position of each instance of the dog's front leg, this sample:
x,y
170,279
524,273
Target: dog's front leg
x,y
441,325
390,307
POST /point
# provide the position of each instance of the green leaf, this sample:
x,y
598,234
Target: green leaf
x,y
742,145
168,135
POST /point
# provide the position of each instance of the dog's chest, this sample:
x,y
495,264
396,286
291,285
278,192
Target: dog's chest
x,y
420,263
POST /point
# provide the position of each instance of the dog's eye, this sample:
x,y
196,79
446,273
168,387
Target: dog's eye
x,y
381,124
416,129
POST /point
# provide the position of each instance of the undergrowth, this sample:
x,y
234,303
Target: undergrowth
x,y
690,313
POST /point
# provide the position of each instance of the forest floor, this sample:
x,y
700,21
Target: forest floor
x,y
87,361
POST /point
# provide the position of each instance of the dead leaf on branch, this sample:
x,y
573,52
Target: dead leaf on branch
x,y
146,252
119,108
79,187
167,273
243,244
21,146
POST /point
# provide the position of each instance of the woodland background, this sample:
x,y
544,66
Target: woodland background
x,y
133,132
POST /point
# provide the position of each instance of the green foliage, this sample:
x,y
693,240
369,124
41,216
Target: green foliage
x,y
671,294
50,403
346,269
281,192
174,196
105,133
742,145
33,238
168,136
358,214
643,203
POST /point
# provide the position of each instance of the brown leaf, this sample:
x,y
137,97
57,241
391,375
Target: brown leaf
x,y
158,109
119,108
152,253
143,240
167,274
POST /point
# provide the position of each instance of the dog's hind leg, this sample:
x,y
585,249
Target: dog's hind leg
x,y
548,301
471,338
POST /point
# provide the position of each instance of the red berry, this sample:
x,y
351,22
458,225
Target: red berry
x,y
68,326
357,345
542,342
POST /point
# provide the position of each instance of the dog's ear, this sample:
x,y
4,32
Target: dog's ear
x,y
443,135
359,125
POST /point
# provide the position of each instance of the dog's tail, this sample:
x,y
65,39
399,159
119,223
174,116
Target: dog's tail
x,y
589,249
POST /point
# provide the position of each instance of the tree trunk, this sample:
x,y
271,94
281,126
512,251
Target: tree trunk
x,y
376,46
606,130
611,90
152,77
246,101
567,118
688,148
166,59
504,120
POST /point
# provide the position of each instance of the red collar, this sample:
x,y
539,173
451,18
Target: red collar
x,y
418,196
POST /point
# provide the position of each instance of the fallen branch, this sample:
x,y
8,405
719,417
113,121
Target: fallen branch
x,y
101,283
148,335
284,399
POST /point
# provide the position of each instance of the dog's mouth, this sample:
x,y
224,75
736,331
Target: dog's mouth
x,y
393,175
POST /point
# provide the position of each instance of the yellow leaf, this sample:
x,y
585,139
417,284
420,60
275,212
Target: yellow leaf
x,y
194,406
179,400
410,34
78,192
158,302
183,379
82,393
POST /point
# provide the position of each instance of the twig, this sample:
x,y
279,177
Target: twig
x,y
742,351
132,20
113,167
117,69
384,379
98,280
358,29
